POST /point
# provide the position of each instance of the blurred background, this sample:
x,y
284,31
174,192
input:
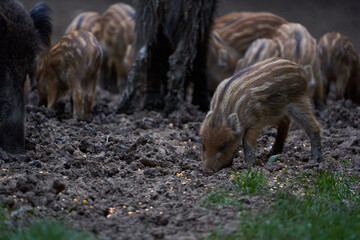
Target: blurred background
x,y
318,16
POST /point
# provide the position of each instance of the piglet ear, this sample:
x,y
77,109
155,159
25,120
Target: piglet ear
x,y
42,22
206,120
234,123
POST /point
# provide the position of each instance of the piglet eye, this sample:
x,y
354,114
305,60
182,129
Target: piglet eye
x,y
222,147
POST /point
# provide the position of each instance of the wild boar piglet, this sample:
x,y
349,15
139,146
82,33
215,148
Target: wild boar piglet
x,y
87,21
71,68
339,65
298,45
221,61
271,92
117,26
240,32
259,50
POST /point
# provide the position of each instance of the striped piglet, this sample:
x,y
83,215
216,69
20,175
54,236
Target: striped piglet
x,y
271,92
71,66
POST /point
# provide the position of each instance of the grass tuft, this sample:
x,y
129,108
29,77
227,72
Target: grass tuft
x,y
40,230
250,181
328,209
223,198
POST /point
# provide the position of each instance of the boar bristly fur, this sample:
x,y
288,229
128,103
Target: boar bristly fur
x,y
21,37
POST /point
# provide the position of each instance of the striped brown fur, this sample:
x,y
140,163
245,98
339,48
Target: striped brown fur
x,y
221,61
71,68
339,64
228,18
258,51
87,21
297,45
117,37
241,32
270,92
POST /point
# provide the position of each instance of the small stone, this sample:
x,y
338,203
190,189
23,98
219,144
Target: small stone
x,y
35,163
4,156
149,172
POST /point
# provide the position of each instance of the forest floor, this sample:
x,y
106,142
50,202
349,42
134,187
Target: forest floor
x,y
140,176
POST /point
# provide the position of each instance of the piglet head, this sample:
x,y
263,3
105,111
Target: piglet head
x,y
221,136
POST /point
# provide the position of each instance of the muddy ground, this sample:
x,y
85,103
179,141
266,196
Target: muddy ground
x,y
139,176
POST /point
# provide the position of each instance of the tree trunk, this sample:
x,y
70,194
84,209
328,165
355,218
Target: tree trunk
x,y
169,51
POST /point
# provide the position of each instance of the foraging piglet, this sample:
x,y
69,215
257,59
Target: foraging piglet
x,y
230,18
339,63
258,51
240,32
297,44
72,65
87,21
117,26
270,92
221,61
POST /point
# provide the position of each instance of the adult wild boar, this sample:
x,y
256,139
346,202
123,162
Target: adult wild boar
x,y
21,35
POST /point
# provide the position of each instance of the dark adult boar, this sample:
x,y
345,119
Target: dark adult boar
x,y
21,34
271,92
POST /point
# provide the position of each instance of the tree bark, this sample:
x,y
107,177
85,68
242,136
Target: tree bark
x,y
169,51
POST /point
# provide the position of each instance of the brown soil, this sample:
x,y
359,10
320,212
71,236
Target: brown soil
x,y
139,176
